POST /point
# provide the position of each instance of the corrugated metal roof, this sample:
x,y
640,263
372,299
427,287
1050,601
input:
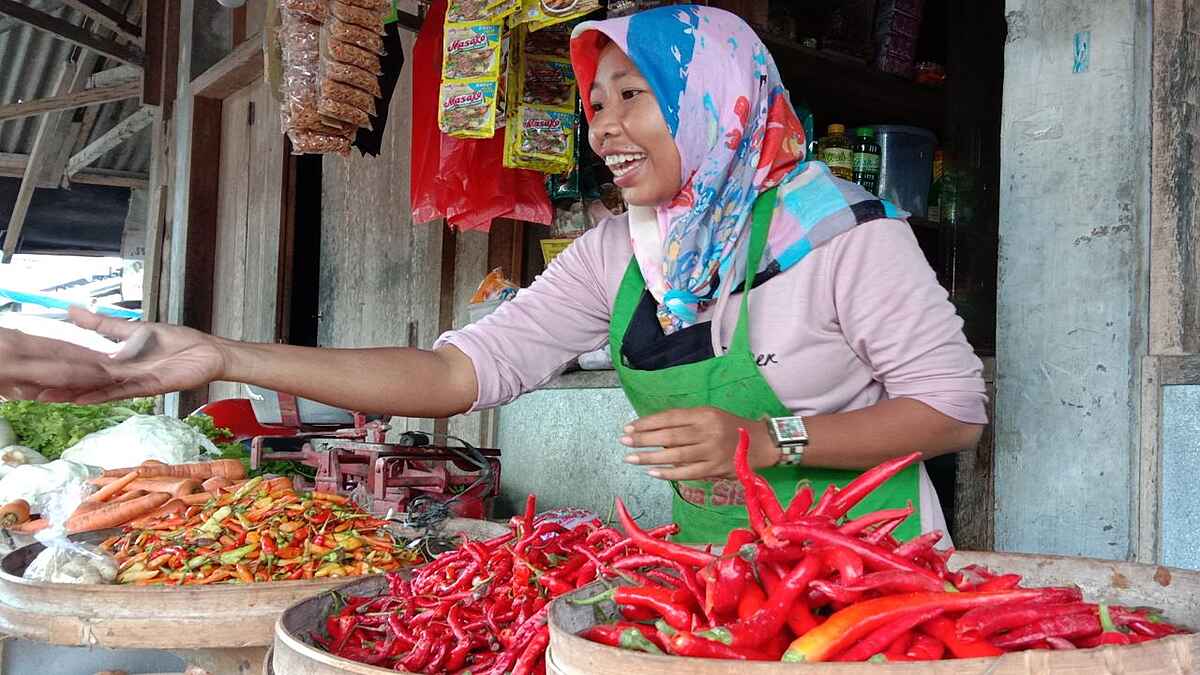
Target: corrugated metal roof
x,y
29,65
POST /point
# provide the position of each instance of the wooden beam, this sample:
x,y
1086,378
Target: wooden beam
x,y
77,99
37,155
111,178
70,32
13,166
123,131
153,17
119,75
242,67
107,17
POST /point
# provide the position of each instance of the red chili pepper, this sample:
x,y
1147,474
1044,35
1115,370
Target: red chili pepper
x,y
1110,635
892,581
758,628
610,634
1072,626
668,550
615,550
987,621
882,535
925,648
918,545
732,576
873,557
800,619
745,476
533,652
853,623
878,641
861,523
821,508
848,564
1000,583
671,605
737,538
899,646
687,644
768,501
801,501
866,482
753,598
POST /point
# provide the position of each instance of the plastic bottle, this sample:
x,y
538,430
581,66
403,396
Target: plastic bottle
x,y
866,159
934,210
837,152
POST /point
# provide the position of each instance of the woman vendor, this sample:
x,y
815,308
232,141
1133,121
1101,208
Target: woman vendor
x,y
745,287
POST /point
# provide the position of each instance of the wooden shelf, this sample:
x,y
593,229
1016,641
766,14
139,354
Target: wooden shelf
x,y
840,88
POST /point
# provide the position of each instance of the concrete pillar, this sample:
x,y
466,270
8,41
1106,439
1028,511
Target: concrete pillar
x,y
1073,277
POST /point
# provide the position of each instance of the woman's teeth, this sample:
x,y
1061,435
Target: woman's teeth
x,y
623,163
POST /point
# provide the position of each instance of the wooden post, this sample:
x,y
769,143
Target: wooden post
x,y
37,155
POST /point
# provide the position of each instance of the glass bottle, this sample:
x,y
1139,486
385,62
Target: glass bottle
x,y
837,152
866,159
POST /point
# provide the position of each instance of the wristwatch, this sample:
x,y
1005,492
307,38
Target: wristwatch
x,y
791,437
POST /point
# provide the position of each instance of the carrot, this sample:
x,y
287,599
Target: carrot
x,y
113,515
231,469
173,507
213,485
197,499
278,483
129,494
174,486
31,526
14,513
113,488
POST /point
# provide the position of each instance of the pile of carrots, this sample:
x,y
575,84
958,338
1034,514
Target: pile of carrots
x,y
128,495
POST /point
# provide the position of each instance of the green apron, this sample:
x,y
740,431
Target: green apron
x,y
733,383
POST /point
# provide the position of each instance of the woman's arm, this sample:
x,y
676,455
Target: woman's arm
x,y
698,442
159,358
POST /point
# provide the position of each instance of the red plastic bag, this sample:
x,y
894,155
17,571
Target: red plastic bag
x,y
462,180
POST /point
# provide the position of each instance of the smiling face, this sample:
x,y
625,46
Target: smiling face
x,y
628,131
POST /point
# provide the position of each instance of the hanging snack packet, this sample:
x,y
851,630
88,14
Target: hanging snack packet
x,y
544,13
548,81
502,80
552,41
459,11
468,109
547,135
472,50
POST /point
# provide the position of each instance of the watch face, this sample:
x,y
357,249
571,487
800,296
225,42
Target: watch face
x,y
789,428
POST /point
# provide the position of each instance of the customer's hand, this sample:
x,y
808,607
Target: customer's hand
x,y
153,359
697,443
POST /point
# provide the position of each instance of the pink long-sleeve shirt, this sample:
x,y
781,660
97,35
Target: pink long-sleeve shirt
x,y
859,320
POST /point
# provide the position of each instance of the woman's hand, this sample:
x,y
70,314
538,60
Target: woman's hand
x,y
153,359
697,443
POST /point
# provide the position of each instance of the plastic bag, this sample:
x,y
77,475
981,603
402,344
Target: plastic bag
x,y
39,483
544,13
494,287
461,180
64,561
140,438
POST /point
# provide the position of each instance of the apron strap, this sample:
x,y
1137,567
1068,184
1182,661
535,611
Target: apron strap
x,y
760,225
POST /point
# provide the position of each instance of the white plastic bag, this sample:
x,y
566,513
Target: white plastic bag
x,y
39,483
13,456
64,561
140,438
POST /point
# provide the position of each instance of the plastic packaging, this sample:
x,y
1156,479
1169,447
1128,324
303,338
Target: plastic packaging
x,y
493,287
314,10
546,135
357,35
472,50
548,81
544,13
468,109
349,95
140,438
341,110
371,19
38,483
64,561
344,52
353,76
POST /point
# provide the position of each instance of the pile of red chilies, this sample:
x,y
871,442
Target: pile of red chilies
x,y
483,607
805,583
809,584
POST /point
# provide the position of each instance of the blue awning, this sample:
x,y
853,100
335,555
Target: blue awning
x,y
56,302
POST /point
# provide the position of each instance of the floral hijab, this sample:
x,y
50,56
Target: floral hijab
x,y
738,136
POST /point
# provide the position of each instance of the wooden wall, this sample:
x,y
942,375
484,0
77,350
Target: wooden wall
x,y
380,274
1174,322
246,268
